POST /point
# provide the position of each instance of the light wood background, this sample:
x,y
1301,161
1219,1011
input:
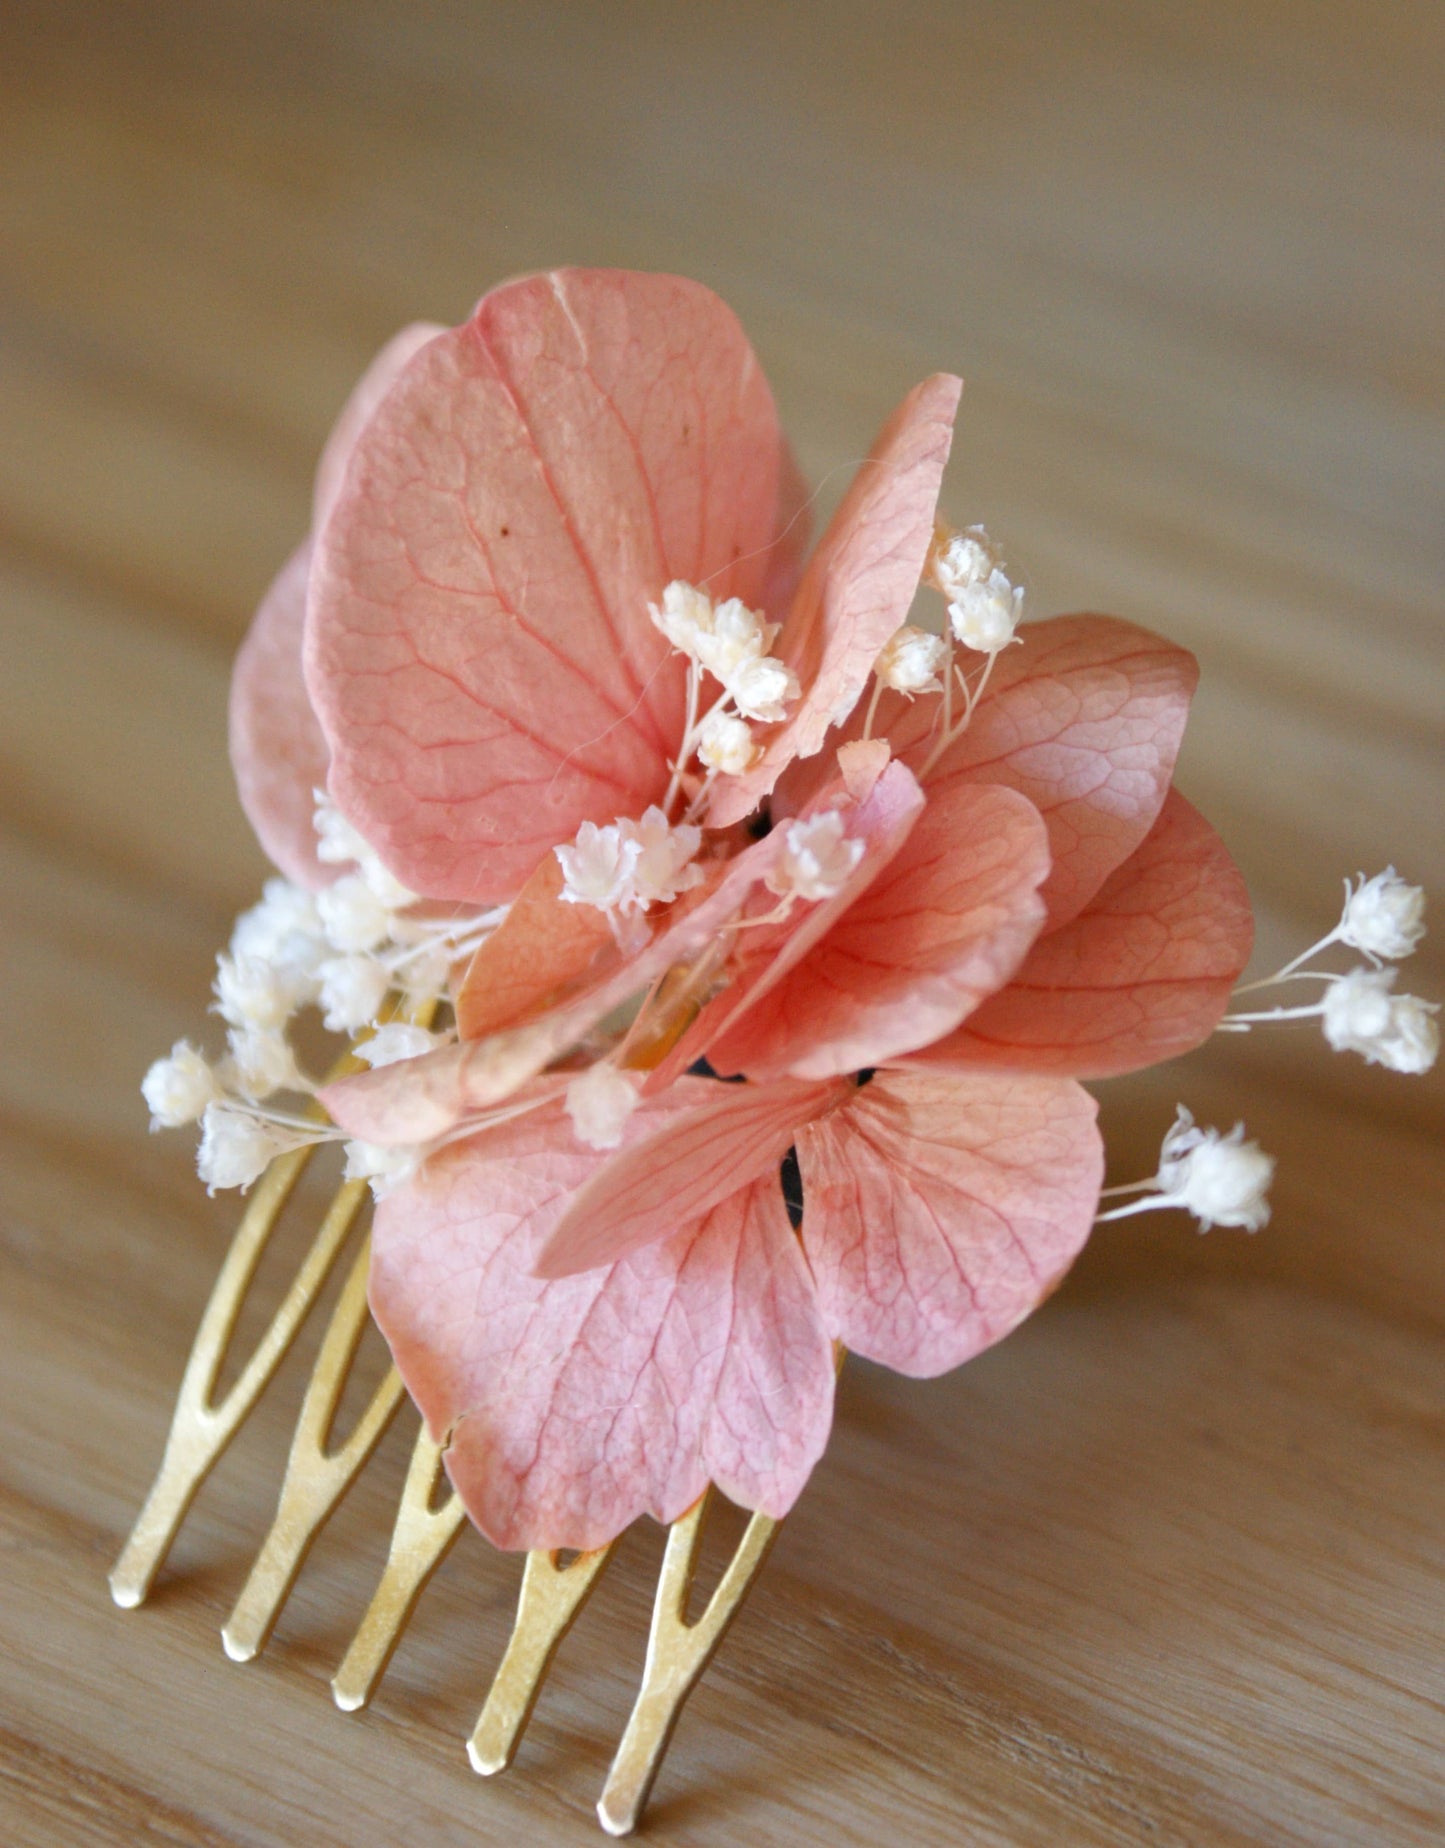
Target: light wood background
x,y
1166,1567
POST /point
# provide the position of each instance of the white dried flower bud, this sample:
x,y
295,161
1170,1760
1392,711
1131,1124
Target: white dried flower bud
x,y
725,744
985,615
1383,916
735,636
600,1102
236,1148
817,858
663,865
1221,1180
911,661
354,918
337,842
597,868
177,1089
384,1168
1357,1011
763,689
398,1040
353,989
251,993
960,562
685,616
1412,1043
283,929
261,1062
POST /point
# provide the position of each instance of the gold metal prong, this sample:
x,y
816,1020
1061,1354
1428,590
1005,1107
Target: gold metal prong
x,y
419,1542
551,1597
677,1653
201,1430
316,1479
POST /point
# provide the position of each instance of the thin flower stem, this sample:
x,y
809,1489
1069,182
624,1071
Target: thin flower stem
x,y
1152,1203
1127,1187
1298,975
951,733
685,751
872,709
1276,1013
1287,973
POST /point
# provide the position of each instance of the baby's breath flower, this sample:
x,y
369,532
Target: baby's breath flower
x,y
1384,916
986,615
958,561
599,1101
816,860
763,689
662,866
398,1040
178,1089
261,1062
340,844
353,989
1222,1180
984,608
684,617
912,660
597,867
736,635
384,1168
237,1147
252,993
725,744
1412,1044
354,918
1356,1010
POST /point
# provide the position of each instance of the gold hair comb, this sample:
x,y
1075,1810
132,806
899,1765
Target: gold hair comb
x,y
554,1587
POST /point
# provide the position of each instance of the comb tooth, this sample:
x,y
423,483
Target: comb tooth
x,y
677,1653
552,1595
419,1542
316,1479
201,1429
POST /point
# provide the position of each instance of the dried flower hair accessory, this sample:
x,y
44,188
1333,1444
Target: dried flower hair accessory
x,y
723,953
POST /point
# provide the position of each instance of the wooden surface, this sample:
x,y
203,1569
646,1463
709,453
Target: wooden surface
x,y
1164,1568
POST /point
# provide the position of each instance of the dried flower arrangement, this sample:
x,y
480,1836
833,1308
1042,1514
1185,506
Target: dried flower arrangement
x,y
724,953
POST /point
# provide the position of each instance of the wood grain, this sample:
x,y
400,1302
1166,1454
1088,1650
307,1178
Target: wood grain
x,y
1165,1567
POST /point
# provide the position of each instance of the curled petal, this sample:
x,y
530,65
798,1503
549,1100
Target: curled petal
x,y
881,804
945,924
939,1211
1142,974
479,647
682,1170
858,584
1085,719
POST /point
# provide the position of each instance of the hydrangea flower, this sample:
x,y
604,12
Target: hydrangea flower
x,y
552,642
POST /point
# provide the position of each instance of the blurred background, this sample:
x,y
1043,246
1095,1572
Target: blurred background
x,y
1164,1566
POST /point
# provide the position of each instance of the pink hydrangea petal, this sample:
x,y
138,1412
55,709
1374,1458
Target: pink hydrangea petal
x,y
277,750
939,1211
479,647
542,948
882,808
1142,974
858,584
681,1170
946,923
576,1405
1085,718
360,407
